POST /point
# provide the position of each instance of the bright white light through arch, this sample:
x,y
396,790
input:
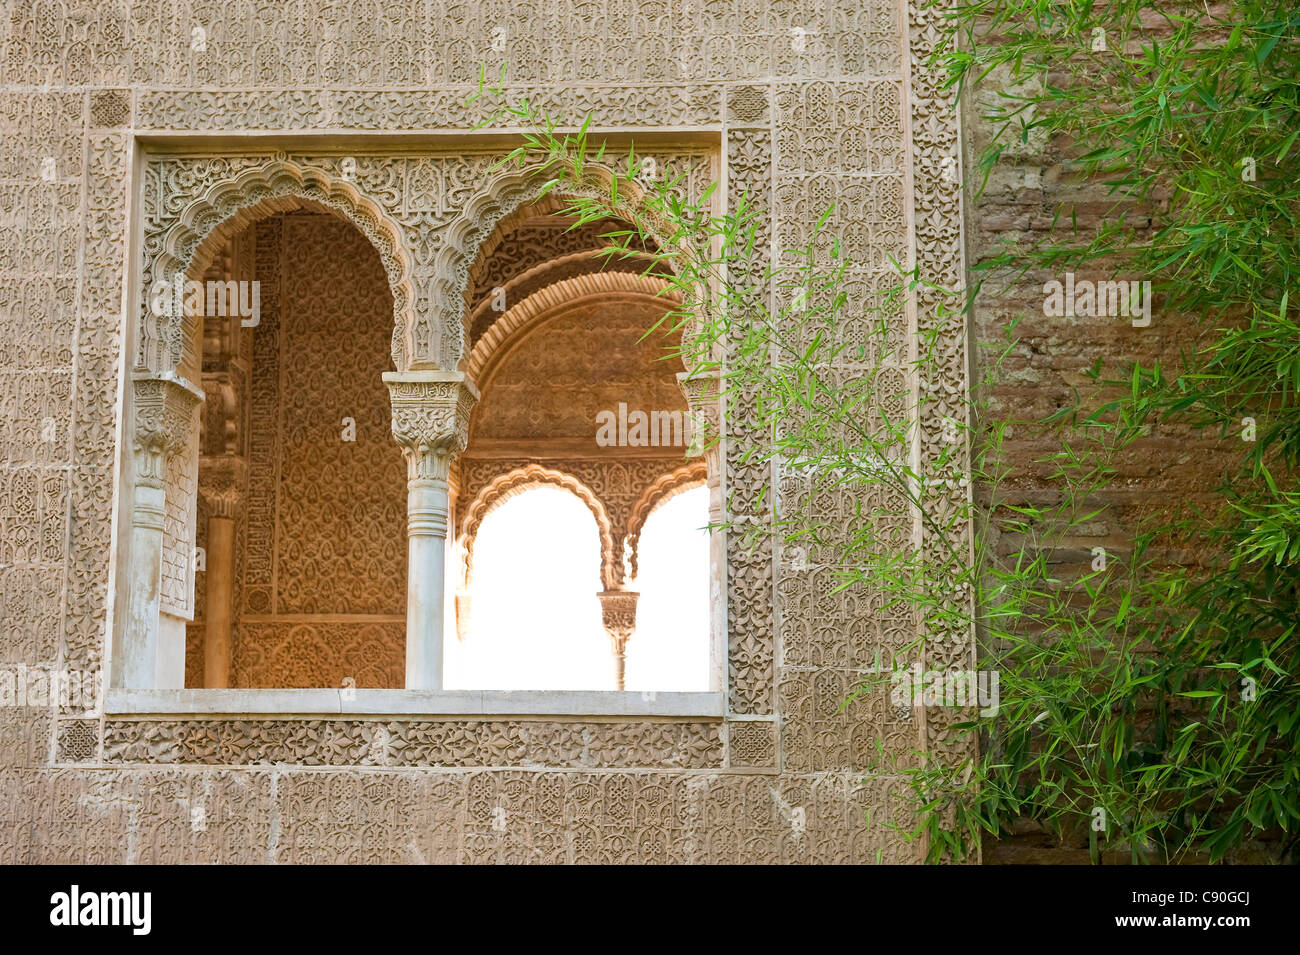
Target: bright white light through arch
x,y
670,650
535,620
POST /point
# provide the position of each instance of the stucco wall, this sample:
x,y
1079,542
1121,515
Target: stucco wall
x,y
805,105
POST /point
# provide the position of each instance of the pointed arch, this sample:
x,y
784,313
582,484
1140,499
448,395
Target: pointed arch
x,y
573,265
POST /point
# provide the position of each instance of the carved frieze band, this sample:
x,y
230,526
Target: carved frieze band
x,y
423,743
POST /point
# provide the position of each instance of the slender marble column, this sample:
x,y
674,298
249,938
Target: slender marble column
x,y
220,587
222,483
431,422
704,400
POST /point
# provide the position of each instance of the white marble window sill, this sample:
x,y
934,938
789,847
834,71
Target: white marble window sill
x,y
415,703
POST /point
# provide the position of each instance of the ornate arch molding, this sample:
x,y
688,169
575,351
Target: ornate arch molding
x,y
660,492
548,205
231,204
500,489
479,228
539,276
545,304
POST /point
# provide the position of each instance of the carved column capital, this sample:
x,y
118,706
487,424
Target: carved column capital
x,y
431,412
703,392
222,482
618,614
163,422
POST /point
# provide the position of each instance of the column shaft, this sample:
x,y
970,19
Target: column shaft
x,y
426,530
137,664
219,595
431,412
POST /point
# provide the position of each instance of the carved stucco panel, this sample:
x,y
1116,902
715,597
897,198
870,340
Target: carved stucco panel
x,y
310,67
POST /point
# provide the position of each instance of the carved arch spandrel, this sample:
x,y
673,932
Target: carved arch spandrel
x,y
500,489
231,204
668,486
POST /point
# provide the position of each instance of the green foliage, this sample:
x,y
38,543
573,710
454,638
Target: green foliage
x,y
1164,688
1158,690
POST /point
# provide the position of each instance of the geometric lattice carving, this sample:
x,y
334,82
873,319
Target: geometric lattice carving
x,y
821,734
937,216
110,108
751,743
320,654
78,740
750,620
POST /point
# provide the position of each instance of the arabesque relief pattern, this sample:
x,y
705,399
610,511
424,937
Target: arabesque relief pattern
x,y
425,214
944,384
429,743
326,506
517,816
815,103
